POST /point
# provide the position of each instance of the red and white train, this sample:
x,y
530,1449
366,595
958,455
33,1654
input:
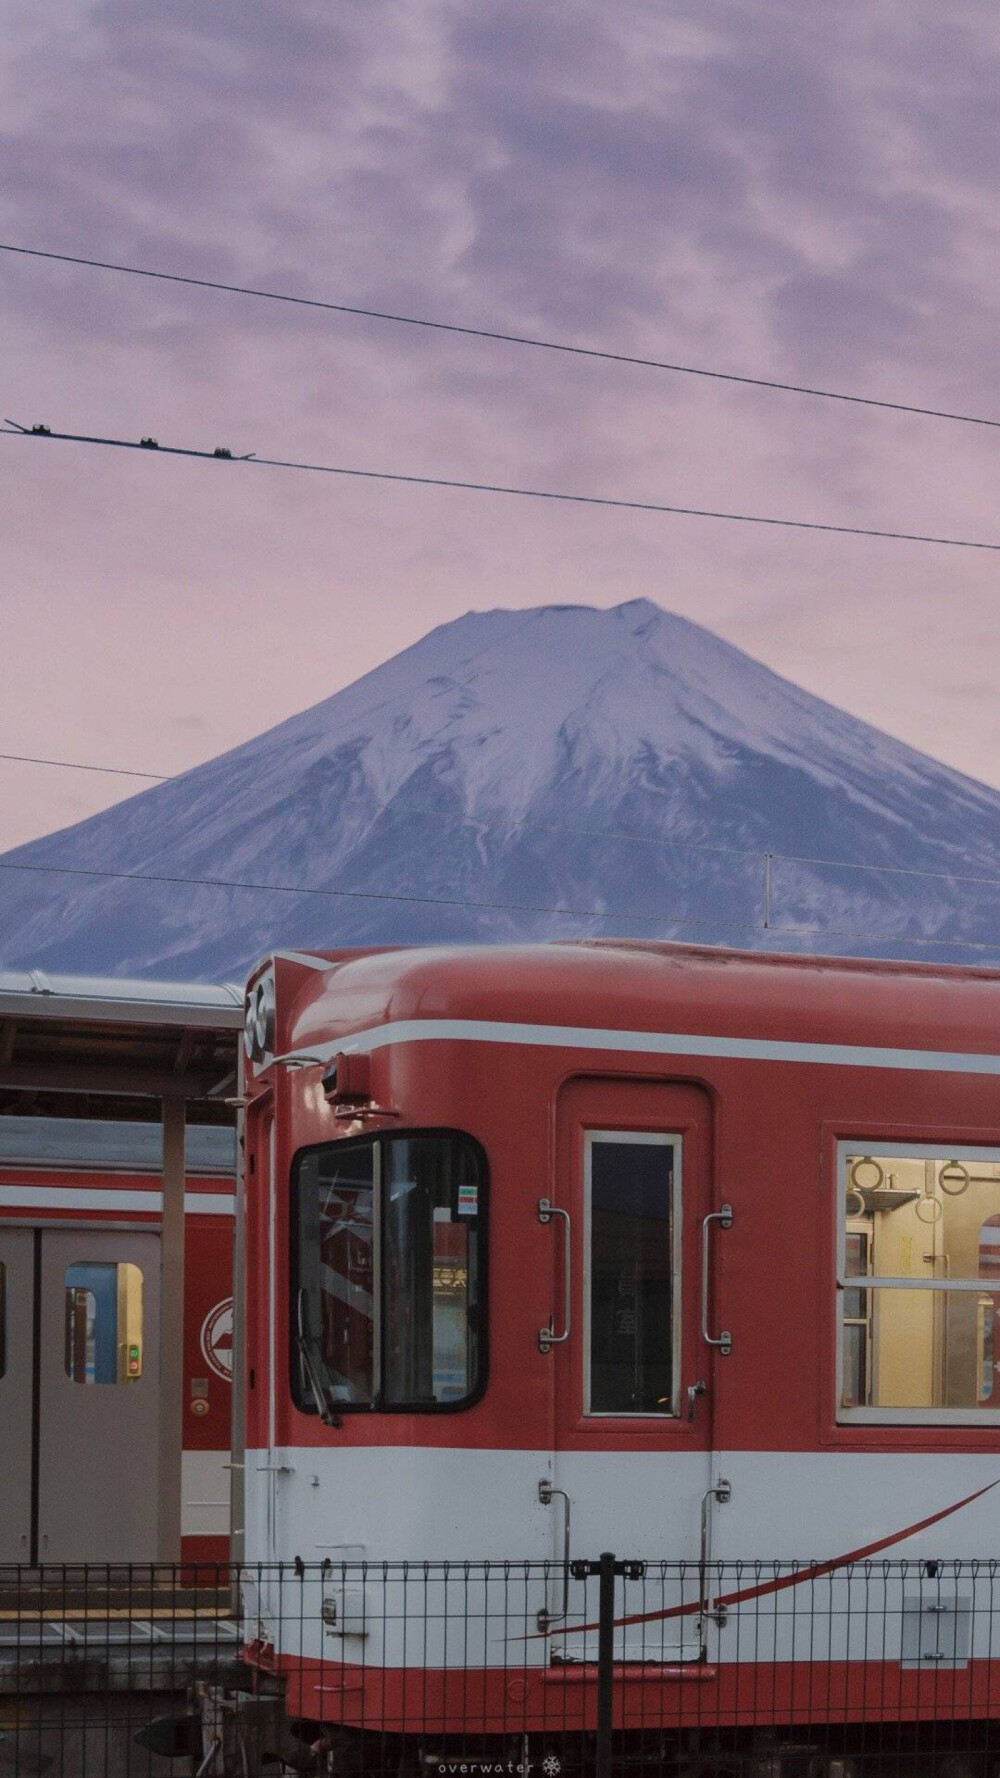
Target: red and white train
x,y
80,1214
682,1253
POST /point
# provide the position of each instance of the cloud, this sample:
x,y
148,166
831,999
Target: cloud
x,y
796,191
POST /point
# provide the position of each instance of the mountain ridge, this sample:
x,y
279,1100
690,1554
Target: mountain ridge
x,y
623,763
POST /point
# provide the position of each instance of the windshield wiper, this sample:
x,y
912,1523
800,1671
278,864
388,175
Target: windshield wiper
x,y
316,1374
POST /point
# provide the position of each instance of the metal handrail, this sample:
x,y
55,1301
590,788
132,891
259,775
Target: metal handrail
x,y
547,1336
723,1340
546,1492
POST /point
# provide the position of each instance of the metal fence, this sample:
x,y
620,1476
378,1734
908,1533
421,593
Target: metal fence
x,y
467,1668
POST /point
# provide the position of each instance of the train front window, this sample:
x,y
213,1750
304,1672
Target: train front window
x,y
919,1284
388,1274
334,1298
430,1210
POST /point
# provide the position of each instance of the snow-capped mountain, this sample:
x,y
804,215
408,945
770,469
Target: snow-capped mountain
x,y
556,772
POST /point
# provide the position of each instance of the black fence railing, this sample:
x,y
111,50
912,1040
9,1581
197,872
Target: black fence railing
x,y
466,1668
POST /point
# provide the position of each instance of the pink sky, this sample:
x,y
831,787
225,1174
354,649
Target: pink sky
x,y
805,192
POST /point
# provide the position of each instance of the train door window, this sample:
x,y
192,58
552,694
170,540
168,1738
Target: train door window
x,y
919,1284
103,1323
632,1284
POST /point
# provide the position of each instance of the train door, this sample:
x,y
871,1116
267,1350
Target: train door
x,y
98,1384
632,1363
16,1292
79,1395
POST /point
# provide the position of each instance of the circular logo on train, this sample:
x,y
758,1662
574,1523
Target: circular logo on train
x,y
217,1339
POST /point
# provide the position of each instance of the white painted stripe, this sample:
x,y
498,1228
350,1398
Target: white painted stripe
x,y
80,1197
397,1502
677,1043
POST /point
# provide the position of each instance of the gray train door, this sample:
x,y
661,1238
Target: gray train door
x,y
98,1381
79,1395
17,1249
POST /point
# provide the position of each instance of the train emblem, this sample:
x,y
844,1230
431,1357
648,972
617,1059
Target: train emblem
x,y
217,1339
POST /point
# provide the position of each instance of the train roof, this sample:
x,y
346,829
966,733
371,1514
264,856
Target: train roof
x,y
632,984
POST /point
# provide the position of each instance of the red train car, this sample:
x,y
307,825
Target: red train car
x,y
682,1253
80,1207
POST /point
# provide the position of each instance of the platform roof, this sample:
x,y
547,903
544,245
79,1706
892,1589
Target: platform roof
x,y
98,1046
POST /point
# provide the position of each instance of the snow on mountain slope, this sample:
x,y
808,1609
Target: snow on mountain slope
x,y
625,768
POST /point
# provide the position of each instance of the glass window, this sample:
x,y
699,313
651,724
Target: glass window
x,y
857,1340
922,1229
335,1310
631,1286
388,1270
430,1212
104,1323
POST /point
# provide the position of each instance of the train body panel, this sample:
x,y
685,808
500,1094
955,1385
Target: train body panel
x,y
753,1319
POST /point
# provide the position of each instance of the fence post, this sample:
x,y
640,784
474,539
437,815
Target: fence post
x,y
606,1569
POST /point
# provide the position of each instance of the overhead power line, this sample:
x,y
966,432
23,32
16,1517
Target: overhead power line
x,y
13,429
615,836
498,336
73,765
513,907
448,901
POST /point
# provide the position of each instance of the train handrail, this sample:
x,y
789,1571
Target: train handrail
x,y
724,1340
547,1336
546,1493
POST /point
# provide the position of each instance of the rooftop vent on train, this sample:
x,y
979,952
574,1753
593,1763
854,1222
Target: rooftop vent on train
x,y
348,1080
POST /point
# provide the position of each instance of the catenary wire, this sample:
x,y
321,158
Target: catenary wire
x,y
73,765
496,335
13,430
614,835
514,907
756,926
462,660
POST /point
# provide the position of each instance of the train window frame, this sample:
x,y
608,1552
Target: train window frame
x,y
378,1404
882,1149
647,1139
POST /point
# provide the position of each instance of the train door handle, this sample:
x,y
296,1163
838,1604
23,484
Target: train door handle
x,y
546,1494
547,1336
719,1494
724,1218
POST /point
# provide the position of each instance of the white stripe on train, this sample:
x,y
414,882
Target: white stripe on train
x,y
84,1197
585,1037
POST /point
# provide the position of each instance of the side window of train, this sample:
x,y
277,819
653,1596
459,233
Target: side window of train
x,y
918,1284
388,1274
632,1185
103,1323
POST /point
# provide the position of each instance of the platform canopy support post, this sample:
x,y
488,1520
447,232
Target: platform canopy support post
x,y
171,1331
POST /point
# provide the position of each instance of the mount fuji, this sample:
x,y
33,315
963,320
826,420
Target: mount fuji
x,y
556,772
